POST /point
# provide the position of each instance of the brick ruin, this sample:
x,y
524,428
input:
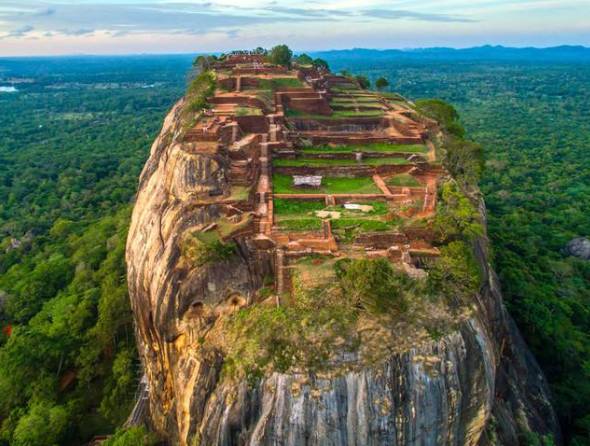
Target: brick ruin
x,y
264,123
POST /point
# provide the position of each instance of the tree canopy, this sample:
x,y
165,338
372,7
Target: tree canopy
x,y
381,83
280,55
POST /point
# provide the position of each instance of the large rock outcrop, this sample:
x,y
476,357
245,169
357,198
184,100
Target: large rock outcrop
x,y
476,385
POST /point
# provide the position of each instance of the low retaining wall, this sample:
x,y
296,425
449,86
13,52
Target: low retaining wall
x,y
253,124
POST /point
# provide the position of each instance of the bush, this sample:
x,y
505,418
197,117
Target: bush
x,y
381,83
199,90
320,63
363,81
302,224
464,159
135,436
373,285
304,59
202,249
456,216
456,271
262,339
445,114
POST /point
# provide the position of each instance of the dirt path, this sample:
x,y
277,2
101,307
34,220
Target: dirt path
x,y
431,151
381,184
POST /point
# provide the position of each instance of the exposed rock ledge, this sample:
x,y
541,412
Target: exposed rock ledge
x,y
442,394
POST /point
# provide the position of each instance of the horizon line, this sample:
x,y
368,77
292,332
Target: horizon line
x,y
408,49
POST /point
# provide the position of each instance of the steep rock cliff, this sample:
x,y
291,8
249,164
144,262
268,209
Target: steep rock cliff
x,y
475,385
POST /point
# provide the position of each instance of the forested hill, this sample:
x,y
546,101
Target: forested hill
x,y
74,138
481,53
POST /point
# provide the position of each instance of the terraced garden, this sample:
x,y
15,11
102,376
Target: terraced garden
x,y
403,180
375,147
283,184
321,162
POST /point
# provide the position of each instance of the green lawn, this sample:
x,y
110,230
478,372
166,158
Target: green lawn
x,y
403,180
379,208
247,111
283,184
301,224
376,147
366,225
280,82
321,162
290,207
313,162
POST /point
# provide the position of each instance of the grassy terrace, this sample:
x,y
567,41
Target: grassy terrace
x,y
247,111
280,82
301,224
283,184
376,147
301,216
403,180
283,207
315,162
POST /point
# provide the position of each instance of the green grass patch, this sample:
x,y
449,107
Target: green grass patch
x,y
239,193
301,224
283,184
321,162
379,208
247,111
284,206
281,82
203,248
364,225
313,162
376,147
403,180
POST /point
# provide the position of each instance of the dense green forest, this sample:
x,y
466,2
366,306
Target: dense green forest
x,y
74,140
73,143
533,120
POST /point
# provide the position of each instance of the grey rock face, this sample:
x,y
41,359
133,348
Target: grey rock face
x,y
579,247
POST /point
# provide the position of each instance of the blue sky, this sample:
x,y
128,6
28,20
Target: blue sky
x,y
185,26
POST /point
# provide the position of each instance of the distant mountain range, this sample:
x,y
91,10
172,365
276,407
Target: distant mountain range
x,y
487,52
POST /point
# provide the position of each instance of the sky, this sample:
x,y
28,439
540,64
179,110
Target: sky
x,y
65,27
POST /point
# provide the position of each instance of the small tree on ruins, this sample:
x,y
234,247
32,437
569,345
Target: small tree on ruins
x,y
320,63
280,55
204,63
363,81
303,60
381,83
